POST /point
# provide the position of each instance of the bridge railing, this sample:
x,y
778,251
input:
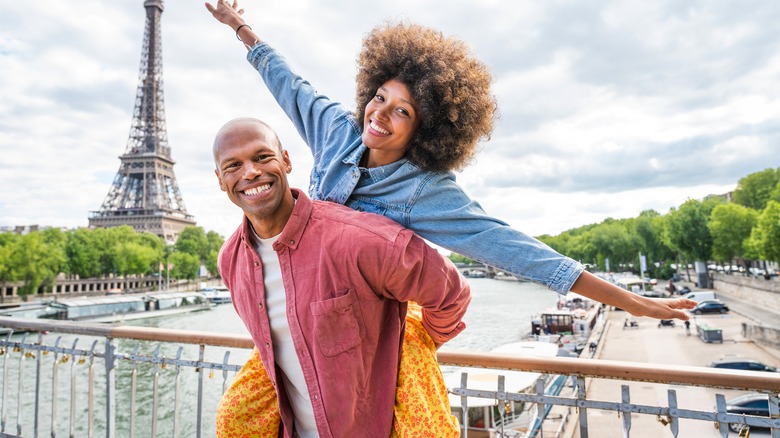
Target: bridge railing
x,y
80,379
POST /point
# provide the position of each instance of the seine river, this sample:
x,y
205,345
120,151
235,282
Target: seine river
x,y
500,312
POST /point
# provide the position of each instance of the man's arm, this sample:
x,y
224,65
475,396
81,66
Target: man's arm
x,y
416,272
588,285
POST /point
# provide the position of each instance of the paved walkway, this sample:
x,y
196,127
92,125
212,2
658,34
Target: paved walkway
x,y
669,345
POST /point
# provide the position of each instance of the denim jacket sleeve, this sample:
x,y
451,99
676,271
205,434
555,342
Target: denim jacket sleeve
x,y
311,113
444,215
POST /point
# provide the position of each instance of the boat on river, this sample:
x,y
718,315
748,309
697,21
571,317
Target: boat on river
x,y
486,419
217,295
127,307
567,325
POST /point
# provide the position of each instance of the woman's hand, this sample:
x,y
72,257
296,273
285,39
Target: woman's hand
x,y
227,13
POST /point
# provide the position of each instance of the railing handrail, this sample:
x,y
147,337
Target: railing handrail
x,y
597,368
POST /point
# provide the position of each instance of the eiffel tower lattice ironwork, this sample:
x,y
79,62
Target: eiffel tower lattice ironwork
x,y
144,193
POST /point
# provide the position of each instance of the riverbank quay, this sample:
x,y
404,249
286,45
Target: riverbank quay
x,y
649,343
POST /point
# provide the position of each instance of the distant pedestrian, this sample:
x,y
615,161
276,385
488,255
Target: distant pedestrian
x,y
687,328
592,348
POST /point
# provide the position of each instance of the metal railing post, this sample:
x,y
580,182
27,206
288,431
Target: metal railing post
x,y
176,395
110,389
55,379
91,392
201,358
674,421
464,405
625,405
774,412
38,358
20,397
581,397
5,352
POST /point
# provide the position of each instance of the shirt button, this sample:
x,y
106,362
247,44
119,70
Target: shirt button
x,y
292,241
267,345
257,264
260,305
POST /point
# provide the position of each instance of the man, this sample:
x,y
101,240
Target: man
x,y
323,290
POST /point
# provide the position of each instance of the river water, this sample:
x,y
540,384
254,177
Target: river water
x,y
500,312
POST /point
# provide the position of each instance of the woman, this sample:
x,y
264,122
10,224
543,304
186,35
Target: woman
x,y
423,102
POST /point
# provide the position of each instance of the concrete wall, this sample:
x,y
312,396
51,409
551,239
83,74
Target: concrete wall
x,y
757,291
761,335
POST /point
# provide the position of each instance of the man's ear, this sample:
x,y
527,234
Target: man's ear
x,y
286,160
221,186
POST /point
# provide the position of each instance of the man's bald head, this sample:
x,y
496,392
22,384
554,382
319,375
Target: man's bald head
x,y
244,125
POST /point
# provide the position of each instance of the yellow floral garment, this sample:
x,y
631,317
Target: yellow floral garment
x,y
248,409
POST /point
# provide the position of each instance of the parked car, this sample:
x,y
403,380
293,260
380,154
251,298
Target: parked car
x,y
700,295
710,306
742,364
752,403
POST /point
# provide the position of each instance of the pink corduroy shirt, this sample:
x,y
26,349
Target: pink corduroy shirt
x,y
347,276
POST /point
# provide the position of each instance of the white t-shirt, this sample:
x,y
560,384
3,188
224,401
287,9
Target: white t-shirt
x,y
284,349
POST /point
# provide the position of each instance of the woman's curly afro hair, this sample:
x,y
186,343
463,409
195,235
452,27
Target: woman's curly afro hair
x,y
451,90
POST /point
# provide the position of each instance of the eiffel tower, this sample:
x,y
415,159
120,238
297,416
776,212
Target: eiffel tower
x,y
144,194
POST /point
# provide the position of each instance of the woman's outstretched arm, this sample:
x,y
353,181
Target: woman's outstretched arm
x,y
588,285
230,14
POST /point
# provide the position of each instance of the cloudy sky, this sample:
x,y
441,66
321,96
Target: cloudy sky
x,y
607,108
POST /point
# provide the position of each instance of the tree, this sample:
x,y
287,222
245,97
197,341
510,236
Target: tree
x,y
193,241
184,265
135,258
730,226
687,229
754,190
766,234
83,254
36,263
612,240
8,241
457,258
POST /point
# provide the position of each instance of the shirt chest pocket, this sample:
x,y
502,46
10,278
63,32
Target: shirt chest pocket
x,y
338,323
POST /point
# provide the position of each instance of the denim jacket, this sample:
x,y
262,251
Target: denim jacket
x,y
431,204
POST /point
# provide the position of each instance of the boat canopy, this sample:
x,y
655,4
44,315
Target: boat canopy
x,y
487,379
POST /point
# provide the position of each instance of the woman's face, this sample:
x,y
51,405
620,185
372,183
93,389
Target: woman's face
x,y
390,122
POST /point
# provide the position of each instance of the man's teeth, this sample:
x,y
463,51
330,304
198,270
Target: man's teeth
x,y
256,190
378,129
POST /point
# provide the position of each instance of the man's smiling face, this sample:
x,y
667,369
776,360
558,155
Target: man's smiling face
x,y
252,169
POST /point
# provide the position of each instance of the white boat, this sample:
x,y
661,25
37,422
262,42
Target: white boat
x,y
517,419
127,307
217,295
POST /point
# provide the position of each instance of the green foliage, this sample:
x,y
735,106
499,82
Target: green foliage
x,y
7,244
730,226
756,189
193,241
687,231
135,258
766,235
184,265
36,262
83,254
457,258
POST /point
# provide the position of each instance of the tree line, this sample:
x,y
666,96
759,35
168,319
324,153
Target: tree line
x,y
37,258
743,229
715,229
